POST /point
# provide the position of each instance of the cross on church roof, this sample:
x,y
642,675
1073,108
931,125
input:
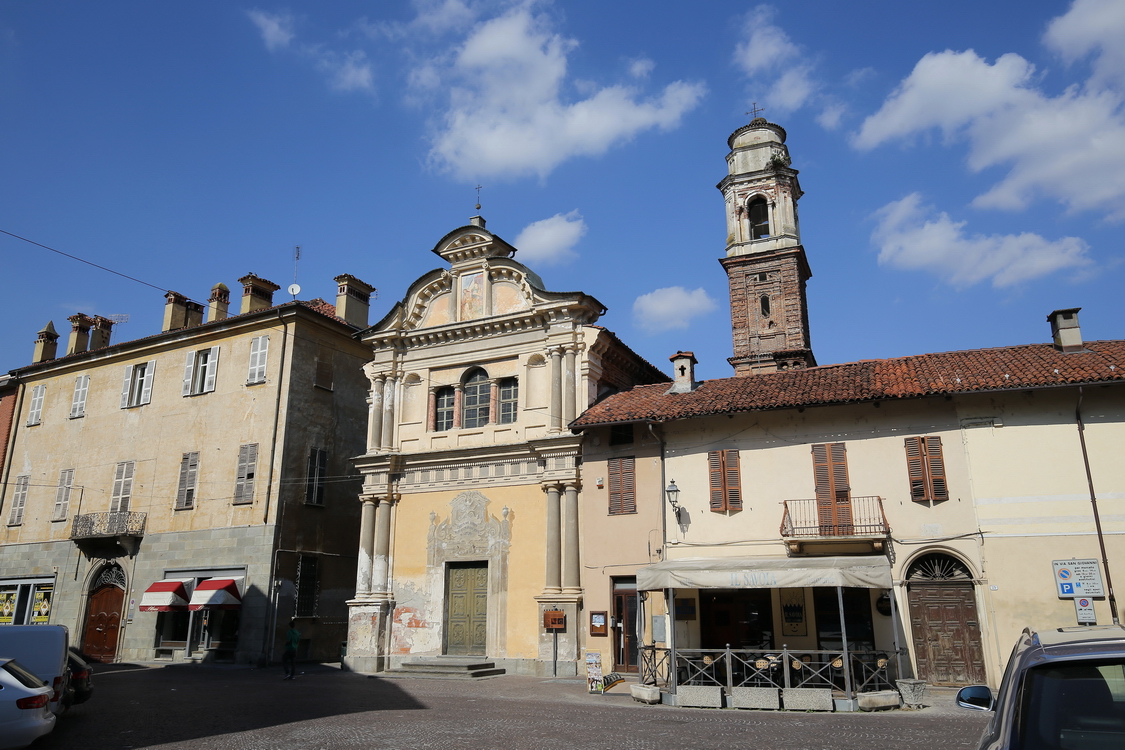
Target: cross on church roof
x,y
478,196
755,110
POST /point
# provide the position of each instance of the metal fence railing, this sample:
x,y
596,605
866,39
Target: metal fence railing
x,y
851,516
111,523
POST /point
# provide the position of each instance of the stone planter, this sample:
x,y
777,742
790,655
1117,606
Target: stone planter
x,y
699,696
912,692
807,699
756,697
878,700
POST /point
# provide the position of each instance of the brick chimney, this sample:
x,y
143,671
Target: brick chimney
x,y
1065,331
46,344
99,337
257,293
353,299
79,340
218,303
181,312
683,366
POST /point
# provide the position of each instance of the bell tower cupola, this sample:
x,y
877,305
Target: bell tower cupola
x,y
765,262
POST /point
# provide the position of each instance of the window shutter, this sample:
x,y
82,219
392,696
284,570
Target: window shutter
x,y
936,466
19,499
915,469
125,388
614,486
146,391
822,476
622,485
189,469
833,494
189,371
36,411
247,465
715,469
78,403
259,347
212,370
733,481
122,486
62,495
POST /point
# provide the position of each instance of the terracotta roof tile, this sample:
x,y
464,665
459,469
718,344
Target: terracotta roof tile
x,y
1005,368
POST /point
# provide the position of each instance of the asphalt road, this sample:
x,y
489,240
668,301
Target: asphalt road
x,y
137,706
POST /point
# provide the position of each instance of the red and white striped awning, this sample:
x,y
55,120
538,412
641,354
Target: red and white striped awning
x,y
169,595
217,593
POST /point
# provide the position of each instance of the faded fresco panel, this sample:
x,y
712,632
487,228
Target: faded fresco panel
x,y
472,296
507,298
439,312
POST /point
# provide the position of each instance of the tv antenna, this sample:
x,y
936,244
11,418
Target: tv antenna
x,y
294,288
119,318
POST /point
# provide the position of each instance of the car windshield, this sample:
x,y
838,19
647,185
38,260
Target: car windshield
x,y
27,679
1073,706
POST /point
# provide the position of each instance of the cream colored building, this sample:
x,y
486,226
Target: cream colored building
x,y
212,456
470,525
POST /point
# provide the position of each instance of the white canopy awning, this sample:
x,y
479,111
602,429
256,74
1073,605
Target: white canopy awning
x,y
872,572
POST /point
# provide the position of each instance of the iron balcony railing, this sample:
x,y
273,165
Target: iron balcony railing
x,y
851,516
113,523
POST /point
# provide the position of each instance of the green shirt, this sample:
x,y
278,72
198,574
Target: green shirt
x,y
292,638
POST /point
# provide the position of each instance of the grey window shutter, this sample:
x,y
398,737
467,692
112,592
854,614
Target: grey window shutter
x,y
146,391
212,370
78,403
125,388
189,370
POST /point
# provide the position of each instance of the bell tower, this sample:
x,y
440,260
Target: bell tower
x,y
765,262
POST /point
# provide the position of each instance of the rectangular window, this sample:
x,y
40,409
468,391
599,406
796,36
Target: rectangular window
x,y
621,434
122,486
622,485
200,370
19,499
509,397
308,586
137,389
833,493
38,393
189,473
259,349
926,469
314,480
725,482
443,418
62,495
322,378
247,466
78,403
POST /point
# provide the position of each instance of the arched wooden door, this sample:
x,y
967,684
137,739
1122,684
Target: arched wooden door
x,y
103,615
944,623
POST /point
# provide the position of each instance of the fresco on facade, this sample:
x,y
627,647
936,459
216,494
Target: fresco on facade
x,y
472,296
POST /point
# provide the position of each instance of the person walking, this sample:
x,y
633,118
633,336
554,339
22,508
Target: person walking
x,y
289,657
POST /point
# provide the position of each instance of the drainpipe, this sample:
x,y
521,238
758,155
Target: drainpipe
x,y
1094,503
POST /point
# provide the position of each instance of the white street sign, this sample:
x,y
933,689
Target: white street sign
x,y
1084,608
1074,578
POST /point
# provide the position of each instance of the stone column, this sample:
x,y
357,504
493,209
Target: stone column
x,y
556,389
494,401
569,388
554,542
379,567
431,410
375,415
457,394
571,573
387,441
366,545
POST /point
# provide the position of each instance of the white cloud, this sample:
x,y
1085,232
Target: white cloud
x,y
670,308
766,45
772,61
551,241
858,76
1070,148
829,118
641,67
1092,25
347,72
911,236
507,114
792,89
276,28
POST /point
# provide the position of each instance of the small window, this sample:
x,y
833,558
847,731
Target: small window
x,y
765,305
621,434
62,495
509,396
308,586
725,482
200,371
443,416
475,397
19,499
259,350
759,219
925,468
189,473
122,486
247,466
137,389
317,474
38,393
622,485
323,376
78,403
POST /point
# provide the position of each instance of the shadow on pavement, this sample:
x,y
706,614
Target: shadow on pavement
x,y
136,705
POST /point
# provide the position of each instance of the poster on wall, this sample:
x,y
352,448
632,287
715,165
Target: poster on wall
x,y
793,612
7,606
41,606
594,672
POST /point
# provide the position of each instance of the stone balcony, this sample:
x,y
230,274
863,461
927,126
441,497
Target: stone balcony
x,y
852,525
108,534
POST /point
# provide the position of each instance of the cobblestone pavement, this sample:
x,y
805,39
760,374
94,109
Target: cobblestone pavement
x,y
145,706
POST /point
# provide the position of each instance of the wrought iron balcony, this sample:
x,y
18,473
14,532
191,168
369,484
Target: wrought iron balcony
x,y
850,519
109,534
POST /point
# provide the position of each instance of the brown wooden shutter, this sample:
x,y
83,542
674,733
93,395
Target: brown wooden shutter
x,y
936,466
717,485
622,485
916,469
833,494
733,480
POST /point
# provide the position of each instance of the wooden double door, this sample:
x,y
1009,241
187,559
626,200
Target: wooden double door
x,y
103,623
946,633
466,609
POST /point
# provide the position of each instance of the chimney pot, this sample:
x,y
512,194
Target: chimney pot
x,y
1065,331
99,337
46,344
257,293
353,299
79,340
219,303
180,312
683,367
477,221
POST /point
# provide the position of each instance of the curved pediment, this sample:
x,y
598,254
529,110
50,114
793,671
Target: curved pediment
x,y
470,243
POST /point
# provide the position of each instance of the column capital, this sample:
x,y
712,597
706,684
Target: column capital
x,y
548,486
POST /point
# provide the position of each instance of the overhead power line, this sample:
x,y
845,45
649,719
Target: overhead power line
x,y
83,260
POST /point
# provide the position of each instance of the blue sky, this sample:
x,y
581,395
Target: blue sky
x,y
963,162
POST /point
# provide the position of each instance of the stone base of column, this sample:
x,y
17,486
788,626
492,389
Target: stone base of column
x,y
369,622
565,662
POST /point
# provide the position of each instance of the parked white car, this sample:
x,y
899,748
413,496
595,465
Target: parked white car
x,y
44,650
24,711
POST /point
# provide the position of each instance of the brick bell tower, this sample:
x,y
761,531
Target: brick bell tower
x,y
765,262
